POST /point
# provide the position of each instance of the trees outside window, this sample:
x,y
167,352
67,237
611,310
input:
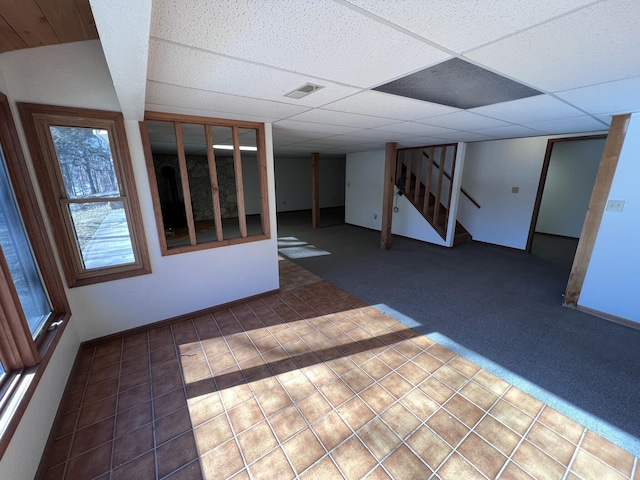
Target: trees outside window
x,y
84,171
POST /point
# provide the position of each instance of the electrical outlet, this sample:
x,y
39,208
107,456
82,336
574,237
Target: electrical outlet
x,y
615,205
515,189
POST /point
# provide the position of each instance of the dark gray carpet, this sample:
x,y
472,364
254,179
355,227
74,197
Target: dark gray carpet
x,y
502,304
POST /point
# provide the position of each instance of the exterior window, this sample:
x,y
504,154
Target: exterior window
x,y
84,172
208,179
33,306
19,258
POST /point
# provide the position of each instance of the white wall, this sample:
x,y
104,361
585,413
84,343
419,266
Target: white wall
x,y
572,173
76,75
293,183
612,281
363,200
491,169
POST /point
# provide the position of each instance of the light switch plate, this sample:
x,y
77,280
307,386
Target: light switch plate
x,y
615,205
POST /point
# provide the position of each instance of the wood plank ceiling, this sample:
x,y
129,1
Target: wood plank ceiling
x,y
34,23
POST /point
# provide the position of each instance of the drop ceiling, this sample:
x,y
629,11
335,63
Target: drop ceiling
x,y
239,58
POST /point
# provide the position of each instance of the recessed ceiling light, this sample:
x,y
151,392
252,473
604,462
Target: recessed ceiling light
x,y
304,90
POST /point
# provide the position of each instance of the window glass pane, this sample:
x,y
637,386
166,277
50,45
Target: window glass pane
x,y
251,180
195,148
223,149
19,257
102,232
85,161
162,138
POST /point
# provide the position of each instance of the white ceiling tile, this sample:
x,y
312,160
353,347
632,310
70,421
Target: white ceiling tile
x,y
412,128
380,134
509,131
569,125
528,110
298,126
172,95
593,45
421,142
168,63
604,118
330,117
463,120
380,104
155,107
622,96
465,137
314,37
446,20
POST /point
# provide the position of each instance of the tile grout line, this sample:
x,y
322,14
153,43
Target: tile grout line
x,y
522,439
253,395
575,454
294,403
472,429
224,406
115,413
75,426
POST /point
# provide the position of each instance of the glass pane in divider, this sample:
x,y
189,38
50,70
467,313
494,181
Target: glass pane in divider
x,y
251,180
222,138
195,151
164,149
102,232
19,258
85,161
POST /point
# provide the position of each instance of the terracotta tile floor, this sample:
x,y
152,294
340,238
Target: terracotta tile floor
x,y
308,383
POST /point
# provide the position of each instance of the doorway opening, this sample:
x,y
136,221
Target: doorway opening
x,y
566,183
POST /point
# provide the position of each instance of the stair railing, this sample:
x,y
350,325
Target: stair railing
x,y
420,177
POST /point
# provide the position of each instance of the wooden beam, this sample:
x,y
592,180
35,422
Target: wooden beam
x,y
237,166
315,190
213,179
608,165
391,153
184,180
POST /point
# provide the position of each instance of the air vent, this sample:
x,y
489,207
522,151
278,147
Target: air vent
x,y
304,90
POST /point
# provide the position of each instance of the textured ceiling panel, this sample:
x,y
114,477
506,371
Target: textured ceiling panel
x,y
417,129
420,142
510,131
390,106
527,110
459,84
622,96
594,45
344,119
312,128
309,37
465,137
207,71
442,22
171,95
579,124
463,120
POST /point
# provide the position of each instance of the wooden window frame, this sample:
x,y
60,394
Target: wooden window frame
x,y
207,123
30,356
36,120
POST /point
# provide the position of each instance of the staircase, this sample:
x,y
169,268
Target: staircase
x,y
433,203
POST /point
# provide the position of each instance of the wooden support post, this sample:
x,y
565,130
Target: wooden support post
x,y
391,153
608,165
315,190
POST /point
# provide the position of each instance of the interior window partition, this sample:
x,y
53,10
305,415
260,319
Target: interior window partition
x,y
208,180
